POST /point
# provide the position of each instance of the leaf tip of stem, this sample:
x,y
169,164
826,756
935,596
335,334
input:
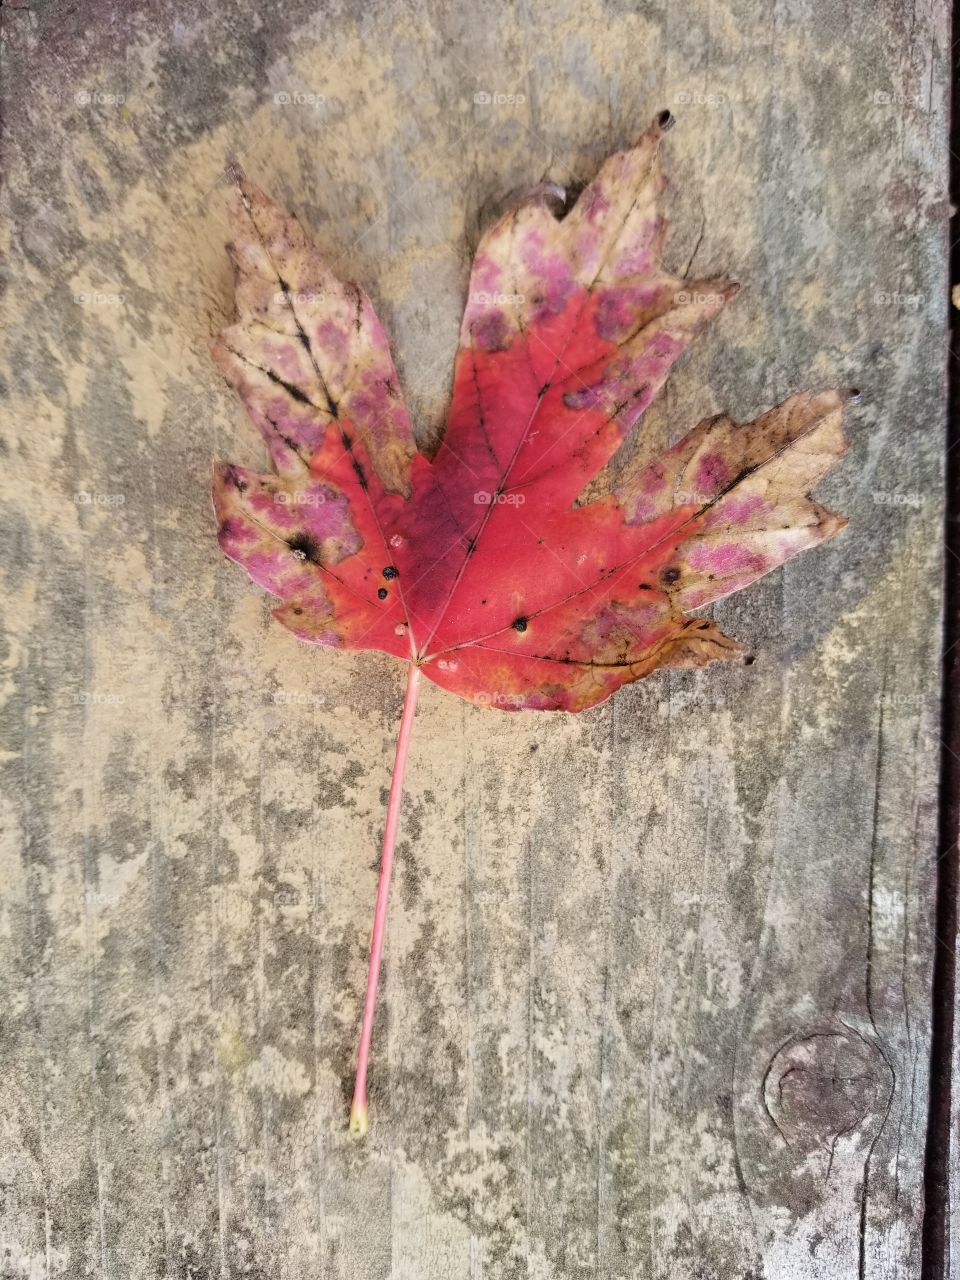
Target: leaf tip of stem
x,y
359,1122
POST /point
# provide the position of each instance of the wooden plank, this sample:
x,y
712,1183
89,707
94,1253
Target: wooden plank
x,y
657,992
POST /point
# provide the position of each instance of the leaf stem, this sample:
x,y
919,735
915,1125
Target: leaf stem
x,y
358,1112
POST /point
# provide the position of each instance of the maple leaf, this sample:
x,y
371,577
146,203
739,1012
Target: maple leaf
x,y
479,567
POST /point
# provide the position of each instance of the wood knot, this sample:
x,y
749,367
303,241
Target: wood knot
x,y
825,1084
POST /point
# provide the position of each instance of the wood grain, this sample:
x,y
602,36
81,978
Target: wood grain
x,y
657,990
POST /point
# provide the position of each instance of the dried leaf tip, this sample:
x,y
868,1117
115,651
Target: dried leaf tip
x,y
661,123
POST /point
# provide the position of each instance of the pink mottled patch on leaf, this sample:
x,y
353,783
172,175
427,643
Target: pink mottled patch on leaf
x,y
737,510
712,473
725,558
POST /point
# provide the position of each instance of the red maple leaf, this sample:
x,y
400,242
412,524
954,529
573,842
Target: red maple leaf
x,y
477,567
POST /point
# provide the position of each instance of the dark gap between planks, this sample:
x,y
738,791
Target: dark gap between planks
x,y
935,1254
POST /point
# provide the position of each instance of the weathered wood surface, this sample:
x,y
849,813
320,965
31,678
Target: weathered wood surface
x,y
657,992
